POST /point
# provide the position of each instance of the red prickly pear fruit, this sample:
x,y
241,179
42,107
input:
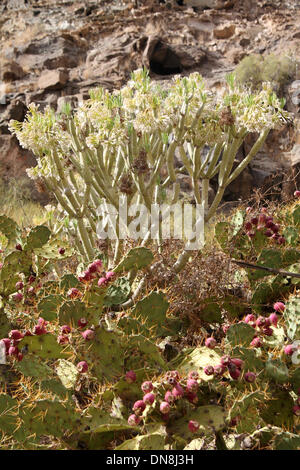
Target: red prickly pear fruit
x,y
88,335
219,369
268,321
66,329
254,221
30,290
110,275
269,224
296,410
7,343
209,370
82,367
139,407
260,322
74,293
267,331
281,241
147,386
63,339
234,421
251,234
28,333
193,374
102,281
248,226
149,398
250,318
31,279
275,228
15,335
192,385
13,351
86,277
225,360
234,371
262,218
42,322
82,322
39,330
268,233
130,376
17,297
61,251
193,426
95,266
297,193
19,247
264,210
289,350
250,377
237,362
210,343
273,319
178,391
192,397
134,420
279,307
19,285
169,398
164,407
20,357
256,342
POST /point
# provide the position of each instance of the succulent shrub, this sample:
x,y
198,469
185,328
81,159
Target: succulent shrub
x,y
117,144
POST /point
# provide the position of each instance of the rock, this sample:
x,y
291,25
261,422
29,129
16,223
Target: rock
x,y
53,79
161,58
200,3
12,71
224,32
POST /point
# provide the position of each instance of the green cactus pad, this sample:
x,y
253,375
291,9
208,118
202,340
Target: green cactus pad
x,y
118,292
37,238
9,228
32,366
153,441
51,250
67,373
197,360
240,334
211,311
136,258
8,418
210,417
44,346
296,216
279,410
151,311
250,357
48,306
287,441
105,353
56,388
49,417
67,281
141,351
70,312
276,370
96,420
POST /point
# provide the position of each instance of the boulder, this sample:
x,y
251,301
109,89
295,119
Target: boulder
x,y
224,32
53,79
12,71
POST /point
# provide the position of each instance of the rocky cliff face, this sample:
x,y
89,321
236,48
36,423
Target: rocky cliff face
x,y
52,52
